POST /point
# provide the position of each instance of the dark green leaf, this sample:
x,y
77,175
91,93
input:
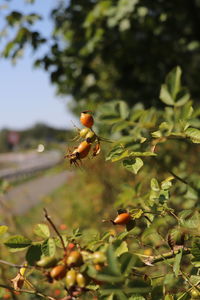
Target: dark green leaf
x,y
33,254
18,241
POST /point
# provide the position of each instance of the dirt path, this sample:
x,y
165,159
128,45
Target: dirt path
x,y
23,197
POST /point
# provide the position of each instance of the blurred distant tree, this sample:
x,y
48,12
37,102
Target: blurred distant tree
x,y
108,49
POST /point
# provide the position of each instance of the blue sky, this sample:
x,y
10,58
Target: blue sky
x,y
26,95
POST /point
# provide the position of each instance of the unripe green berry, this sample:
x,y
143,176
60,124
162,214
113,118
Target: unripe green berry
x,y
71,278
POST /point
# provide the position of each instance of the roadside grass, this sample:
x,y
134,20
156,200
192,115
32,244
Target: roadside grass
x,y
85,199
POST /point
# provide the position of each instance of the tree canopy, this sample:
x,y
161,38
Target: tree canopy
x,y
107,49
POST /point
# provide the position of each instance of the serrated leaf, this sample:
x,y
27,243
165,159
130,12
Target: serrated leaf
x,y
42,230
193,134
33,254
3,229
133,164
177,261
48,247
18,241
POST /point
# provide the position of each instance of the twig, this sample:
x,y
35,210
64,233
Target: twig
x,y
179,178
55,229
155,259
13,265
27,291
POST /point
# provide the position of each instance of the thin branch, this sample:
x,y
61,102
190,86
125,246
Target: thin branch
x,y
27,291
55,229
179,178
150,260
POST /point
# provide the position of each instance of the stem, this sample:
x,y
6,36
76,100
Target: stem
x,y
26,291
14,265
55,229
179,178
164,256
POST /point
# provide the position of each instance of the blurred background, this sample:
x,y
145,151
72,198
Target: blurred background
x,y
59,58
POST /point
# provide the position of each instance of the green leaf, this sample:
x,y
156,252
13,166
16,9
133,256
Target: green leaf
x,y
136,298
116,290
173,81
193,134
33,254
136,213
119,126
182,97
165,95
138,287
121,156
18,241
177,261
42,230
127,261
3,229
133,154
156,134
155,185
169,297
195,279
123,109
113,264
48,247
133,164
115,152
122,248
196,249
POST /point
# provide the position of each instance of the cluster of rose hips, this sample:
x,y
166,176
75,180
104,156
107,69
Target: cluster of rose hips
x,y
89,136
71,268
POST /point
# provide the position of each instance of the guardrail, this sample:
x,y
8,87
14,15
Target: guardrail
x,y
29,167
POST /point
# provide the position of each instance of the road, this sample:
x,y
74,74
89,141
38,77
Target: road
x,y
24,164
22,198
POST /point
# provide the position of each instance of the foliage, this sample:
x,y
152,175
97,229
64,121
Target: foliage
x,y
29,138
104,48
154,254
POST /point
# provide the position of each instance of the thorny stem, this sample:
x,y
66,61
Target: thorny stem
x,y
37,293
55,229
